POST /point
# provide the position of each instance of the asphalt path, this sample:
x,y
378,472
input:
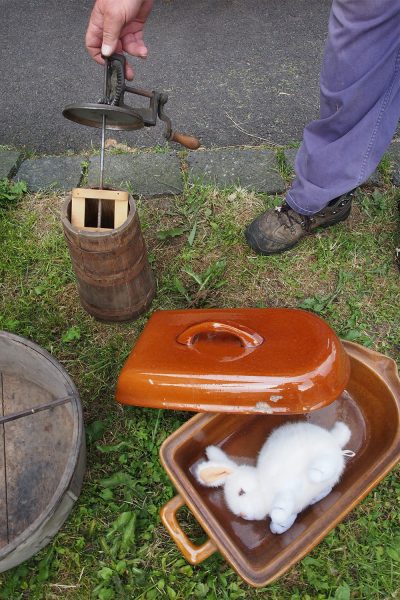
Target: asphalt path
x,y
236,71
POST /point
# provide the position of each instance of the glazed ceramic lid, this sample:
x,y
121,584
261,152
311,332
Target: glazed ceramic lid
x,y
267,360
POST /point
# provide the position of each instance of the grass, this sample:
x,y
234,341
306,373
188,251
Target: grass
x,y
113,545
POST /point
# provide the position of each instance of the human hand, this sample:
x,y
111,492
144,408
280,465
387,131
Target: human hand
x,y
117,26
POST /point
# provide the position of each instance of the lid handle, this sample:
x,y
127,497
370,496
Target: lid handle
x,y
247,337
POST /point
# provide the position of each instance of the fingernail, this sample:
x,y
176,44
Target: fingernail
x,y
106,50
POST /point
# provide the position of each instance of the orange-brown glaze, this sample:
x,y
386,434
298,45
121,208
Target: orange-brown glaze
x,y
268,360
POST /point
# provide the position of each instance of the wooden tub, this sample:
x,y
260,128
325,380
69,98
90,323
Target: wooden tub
x,y
42,448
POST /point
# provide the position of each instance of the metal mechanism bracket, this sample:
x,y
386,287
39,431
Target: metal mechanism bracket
x,y
111,112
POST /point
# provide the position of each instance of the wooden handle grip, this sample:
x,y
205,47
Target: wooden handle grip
x,y
186,140
193,554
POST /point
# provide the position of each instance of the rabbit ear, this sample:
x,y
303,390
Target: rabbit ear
x,y
213,474
215,454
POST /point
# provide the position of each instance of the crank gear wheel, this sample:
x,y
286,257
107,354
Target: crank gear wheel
x,y
115,82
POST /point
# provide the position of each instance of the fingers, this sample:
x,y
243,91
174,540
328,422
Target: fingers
x,y
138,26
94,35
117,26
114,21
129,74
133,44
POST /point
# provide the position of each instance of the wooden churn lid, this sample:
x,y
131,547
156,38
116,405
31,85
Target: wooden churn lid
x,y
42,450
242,360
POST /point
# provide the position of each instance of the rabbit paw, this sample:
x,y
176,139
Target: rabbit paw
x,y
280,515
282,508
283,525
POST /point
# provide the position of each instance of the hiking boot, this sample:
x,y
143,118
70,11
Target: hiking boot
x,y
280,228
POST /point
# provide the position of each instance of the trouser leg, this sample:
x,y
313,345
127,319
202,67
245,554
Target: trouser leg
x,y
360,103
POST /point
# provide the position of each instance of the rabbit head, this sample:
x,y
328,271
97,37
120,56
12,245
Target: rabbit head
x,y
242,490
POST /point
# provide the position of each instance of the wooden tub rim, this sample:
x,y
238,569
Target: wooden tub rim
x,y
99,233
76,447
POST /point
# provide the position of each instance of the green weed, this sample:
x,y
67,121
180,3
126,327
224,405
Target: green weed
x,y
284,169
11,193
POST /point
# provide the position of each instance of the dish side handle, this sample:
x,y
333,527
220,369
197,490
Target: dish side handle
x,y
383,365
192,553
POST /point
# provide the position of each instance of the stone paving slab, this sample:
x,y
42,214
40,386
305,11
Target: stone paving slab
x,y
56,172
146,174
152,174
253,169
9,160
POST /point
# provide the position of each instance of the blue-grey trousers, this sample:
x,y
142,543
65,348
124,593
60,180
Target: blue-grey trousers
x,y
359,104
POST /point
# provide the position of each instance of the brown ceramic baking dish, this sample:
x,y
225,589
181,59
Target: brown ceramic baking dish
x,y
370,405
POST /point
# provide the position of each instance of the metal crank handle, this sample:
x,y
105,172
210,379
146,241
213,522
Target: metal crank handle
x,y
188,141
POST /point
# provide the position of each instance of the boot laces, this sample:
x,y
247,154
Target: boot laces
x,y
290,218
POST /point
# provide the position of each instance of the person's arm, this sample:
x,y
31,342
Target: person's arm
x,y
117,26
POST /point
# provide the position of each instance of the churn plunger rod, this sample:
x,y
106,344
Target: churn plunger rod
x,y
103,138
103,126
103,135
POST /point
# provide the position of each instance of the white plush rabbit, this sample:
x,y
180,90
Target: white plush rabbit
x,y
297,466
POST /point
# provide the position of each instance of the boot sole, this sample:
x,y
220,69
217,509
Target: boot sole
x,y
337,220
